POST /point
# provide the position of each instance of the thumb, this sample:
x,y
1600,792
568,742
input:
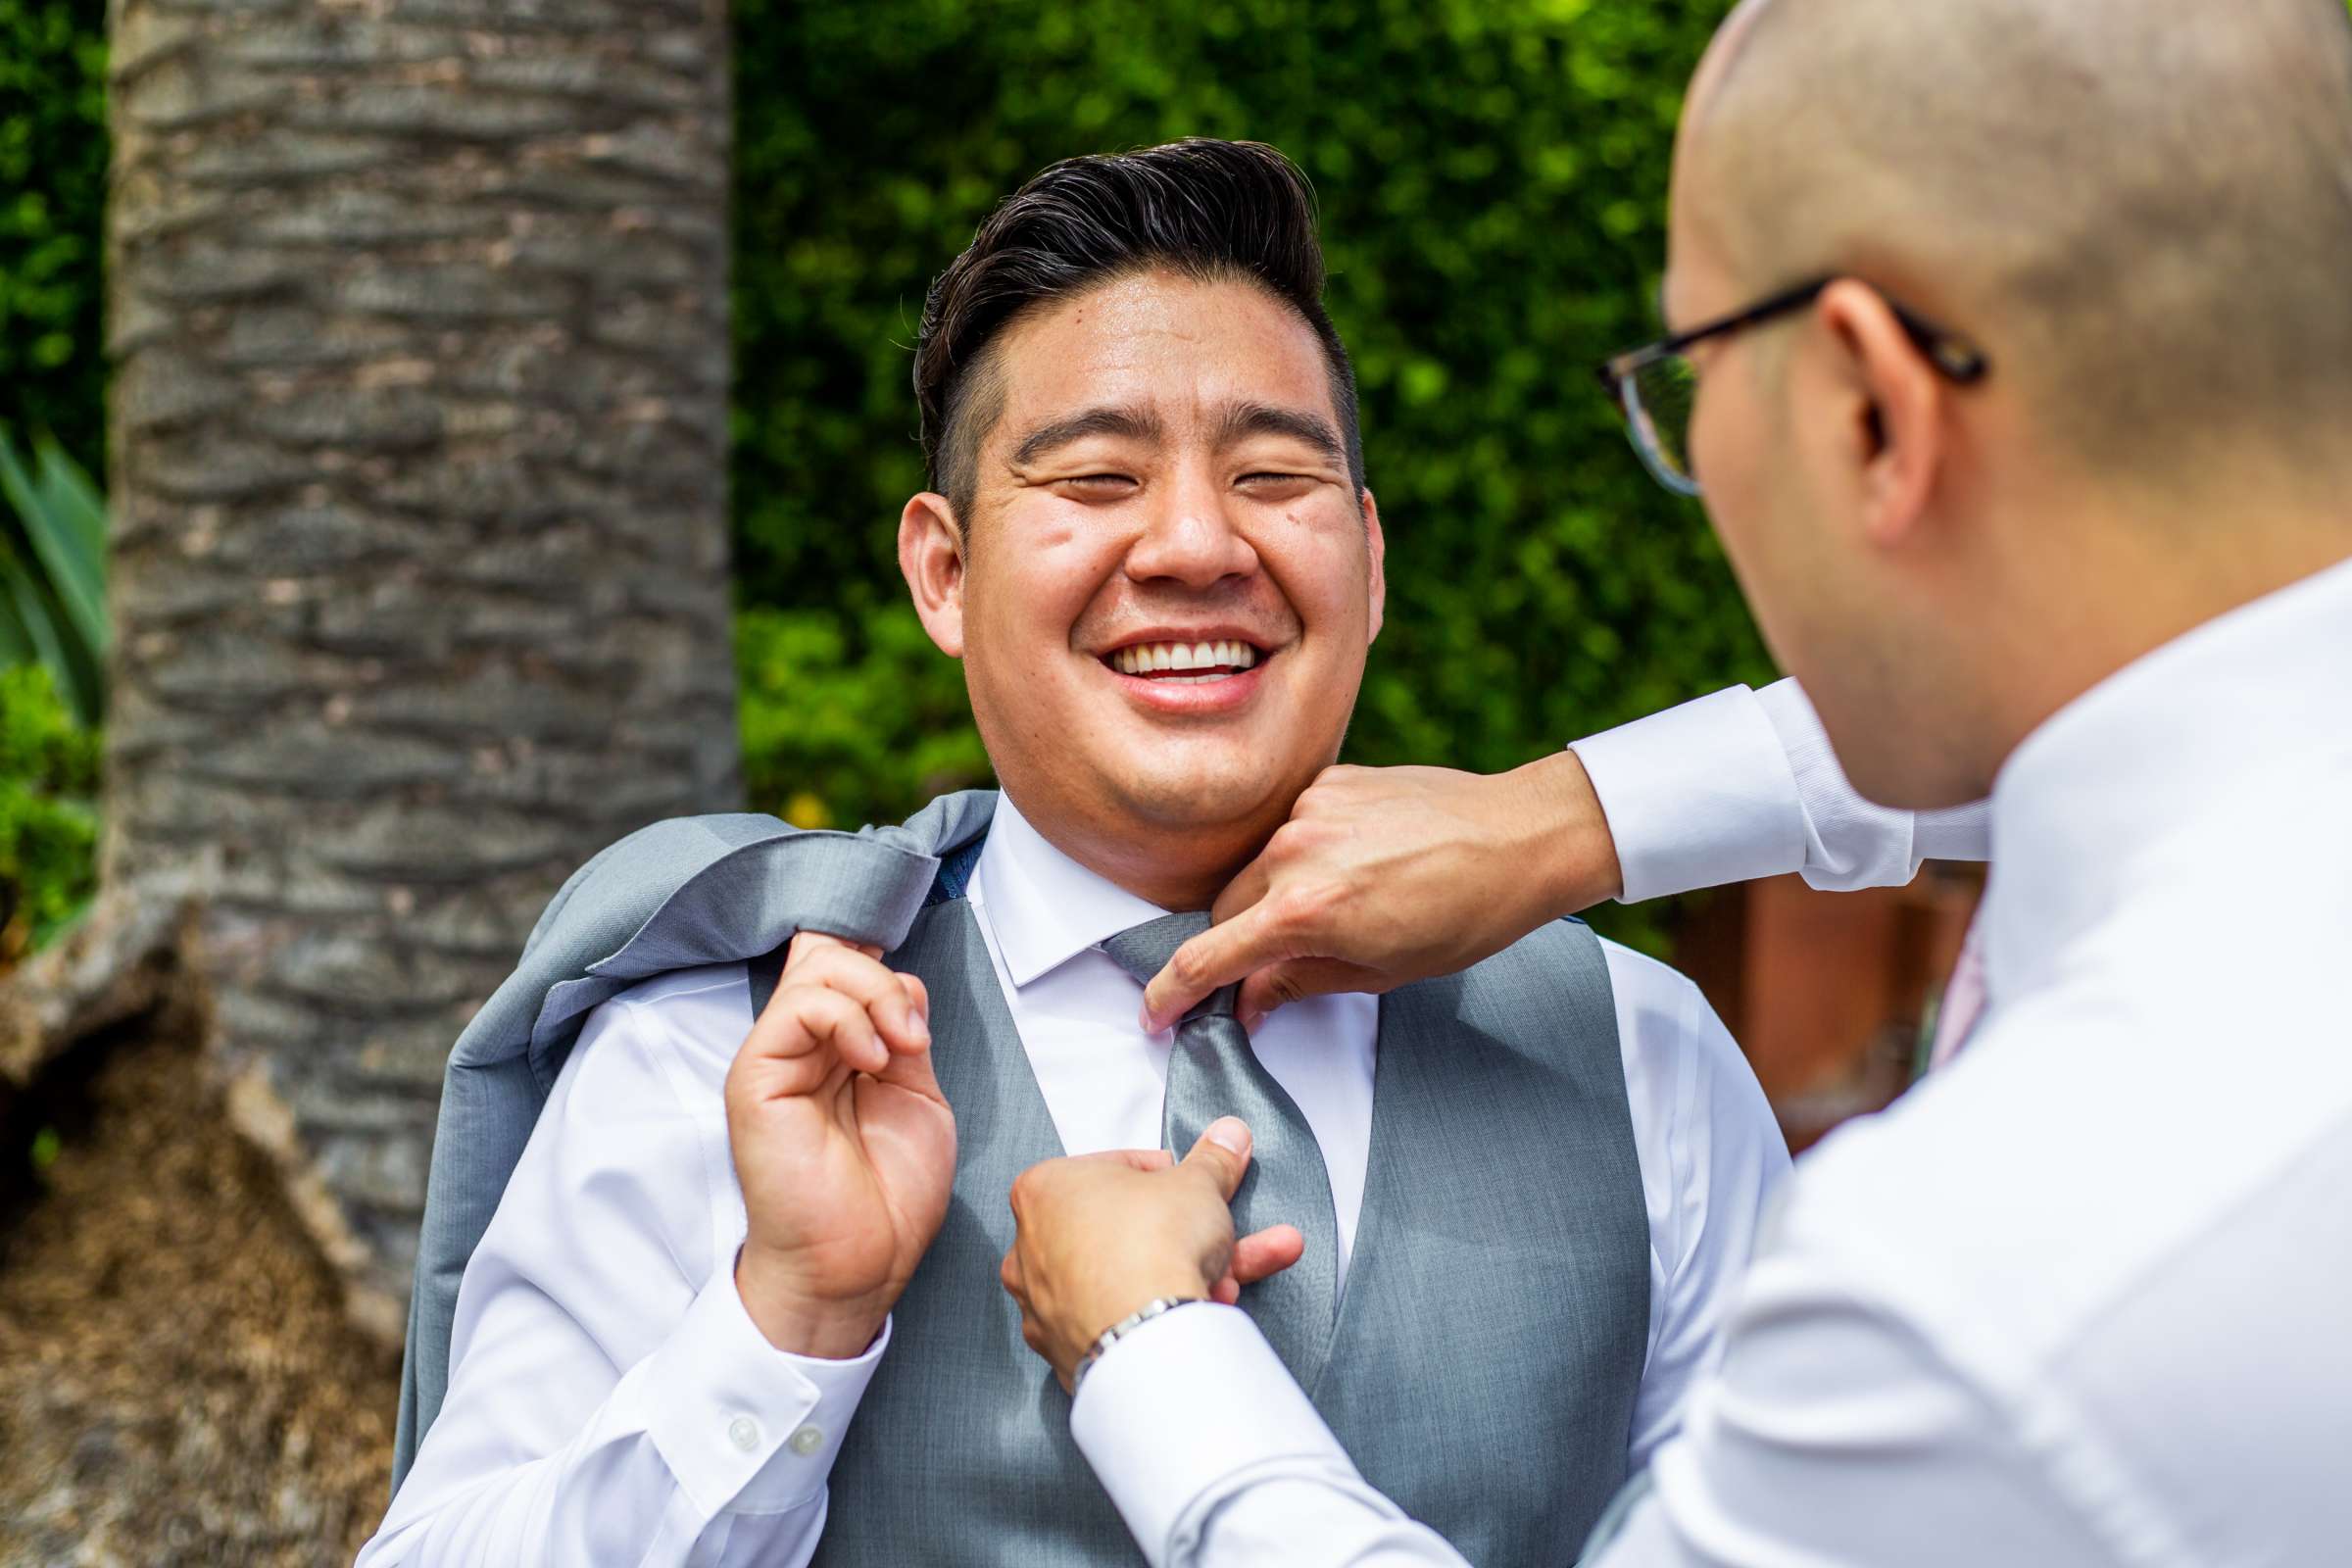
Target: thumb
x,y
1222,1154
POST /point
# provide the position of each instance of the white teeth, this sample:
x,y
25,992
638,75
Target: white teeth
x,y
1146,658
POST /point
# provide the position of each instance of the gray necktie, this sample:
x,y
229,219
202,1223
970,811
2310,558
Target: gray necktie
x,y
1212,1072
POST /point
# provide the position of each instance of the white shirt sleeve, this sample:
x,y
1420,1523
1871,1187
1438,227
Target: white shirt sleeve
x,y
611,1399
1742,784
1832,1434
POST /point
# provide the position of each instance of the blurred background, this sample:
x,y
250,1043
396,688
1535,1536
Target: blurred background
x,y
439,436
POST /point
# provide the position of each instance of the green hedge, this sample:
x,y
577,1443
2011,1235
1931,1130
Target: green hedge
x,y
53,147
1493,175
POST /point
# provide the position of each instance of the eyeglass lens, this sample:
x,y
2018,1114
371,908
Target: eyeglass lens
x,y
1659,396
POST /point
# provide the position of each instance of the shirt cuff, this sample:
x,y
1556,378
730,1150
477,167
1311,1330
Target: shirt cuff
x,y
1186,1402
748,1428
1697,796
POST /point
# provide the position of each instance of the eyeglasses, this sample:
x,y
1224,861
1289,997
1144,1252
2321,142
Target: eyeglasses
x,y
1655,385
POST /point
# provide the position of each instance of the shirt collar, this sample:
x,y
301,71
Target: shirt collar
x,y
1044,907
2115,797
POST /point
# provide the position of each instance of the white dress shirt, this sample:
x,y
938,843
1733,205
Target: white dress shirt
x,y
610,1399
2081,1299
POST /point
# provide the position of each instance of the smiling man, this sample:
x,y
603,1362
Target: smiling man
x,y
740,1300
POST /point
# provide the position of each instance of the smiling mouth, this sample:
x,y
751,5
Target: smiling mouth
x,y
1184,663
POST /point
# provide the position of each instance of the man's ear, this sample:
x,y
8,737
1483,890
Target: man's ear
x,y
931,558
1894,437
1379,579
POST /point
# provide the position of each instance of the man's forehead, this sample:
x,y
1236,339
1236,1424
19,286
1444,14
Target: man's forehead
x,y
1173,351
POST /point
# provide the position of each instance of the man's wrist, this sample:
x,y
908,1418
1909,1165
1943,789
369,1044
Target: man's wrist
x,y
1157,1306
1572,848
801,1325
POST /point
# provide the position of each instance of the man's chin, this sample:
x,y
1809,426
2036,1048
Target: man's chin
x,y
1198,804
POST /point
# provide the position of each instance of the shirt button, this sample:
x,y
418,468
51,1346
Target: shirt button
x,y
744,1432
805,1441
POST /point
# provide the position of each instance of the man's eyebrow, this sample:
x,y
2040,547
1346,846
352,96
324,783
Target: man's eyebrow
x,y
1244,420
1140,425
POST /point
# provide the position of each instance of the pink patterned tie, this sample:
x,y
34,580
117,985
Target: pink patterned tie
x,y
1963,1001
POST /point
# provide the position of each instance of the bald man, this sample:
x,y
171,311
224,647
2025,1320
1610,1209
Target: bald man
x,y
2015,366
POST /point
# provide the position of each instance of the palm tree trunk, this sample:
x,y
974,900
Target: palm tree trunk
x,y
420,560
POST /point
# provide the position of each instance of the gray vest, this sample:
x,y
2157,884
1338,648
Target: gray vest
x,y
1491,1329
1491,1337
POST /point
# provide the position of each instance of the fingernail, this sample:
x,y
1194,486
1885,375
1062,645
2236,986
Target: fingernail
x,y
1231,1134
1144,1018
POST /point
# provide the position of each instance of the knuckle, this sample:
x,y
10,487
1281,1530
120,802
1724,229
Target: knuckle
x,y
1290,839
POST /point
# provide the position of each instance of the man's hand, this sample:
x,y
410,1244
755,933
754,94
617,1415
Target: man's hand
x,y
1100,1235
843,1145
1388,875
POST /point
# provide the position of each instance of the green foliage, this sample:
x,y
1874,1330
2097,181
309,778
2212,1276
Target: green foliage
x,y
53,151
824,732
1493,177
48,815
53,573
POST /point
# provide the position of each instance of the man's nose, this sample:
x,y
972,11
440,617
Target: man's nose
x,y
1189,537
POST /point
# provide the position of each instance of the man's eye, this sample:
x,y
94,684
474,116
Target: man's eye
x,y
1101,481
1263,479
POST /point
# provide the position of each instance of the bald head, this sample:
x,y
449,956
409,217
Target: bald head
x,y
2142,208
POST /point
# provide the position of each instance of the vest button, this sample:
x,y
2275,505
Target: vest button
x,y
744,1432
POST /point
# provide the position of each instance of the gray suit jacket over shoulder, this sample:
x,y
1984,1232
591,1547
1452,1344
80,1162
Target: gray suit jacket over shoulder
x,y
680,893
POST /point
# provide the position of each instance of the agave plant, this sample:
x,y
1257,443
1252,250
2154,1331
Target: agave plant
x,y
53,573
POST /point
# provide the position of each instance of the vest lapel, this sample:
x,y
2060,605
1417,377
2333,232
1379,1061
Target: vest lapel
x,y
976,1050
1491,1336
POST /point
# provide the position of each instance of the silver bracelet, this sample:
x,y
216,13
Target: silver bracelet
x,y
1126,1326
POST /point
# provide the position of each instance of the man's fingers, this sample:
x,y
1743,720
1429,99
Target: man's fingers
x,y
818,1026
806,943
1248,887
1266,1251
880,992
1257,1256
1132,1158
1222,1154
1296,979
1217,956
910,1070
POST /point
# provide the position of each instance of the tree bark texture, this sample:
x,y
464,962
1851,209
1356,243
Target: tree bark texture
x,y
419,562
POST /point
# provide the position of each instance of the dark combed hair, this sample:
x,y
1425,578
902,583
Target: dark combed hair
x,y
1202,208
